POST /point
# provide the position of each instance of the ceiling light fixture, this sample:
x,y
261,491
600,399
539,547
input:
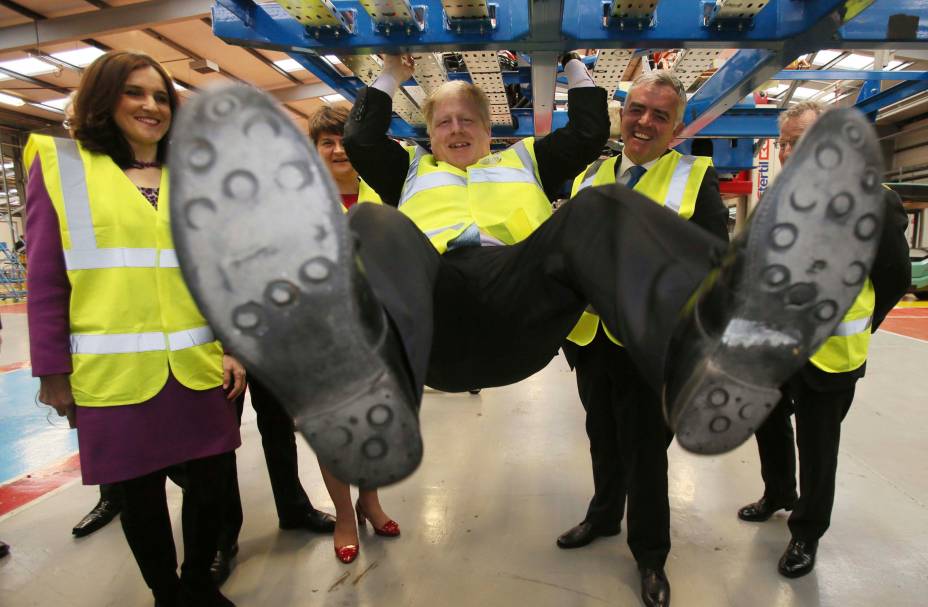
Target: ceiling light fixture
x,y
11,100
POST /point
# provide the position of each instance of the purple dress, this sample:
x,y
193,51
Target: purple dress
x,y
122,442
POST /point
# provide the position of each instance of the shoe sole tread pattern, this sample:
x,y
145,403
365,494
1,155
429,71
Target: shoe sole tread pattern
x,y
811,243
266,252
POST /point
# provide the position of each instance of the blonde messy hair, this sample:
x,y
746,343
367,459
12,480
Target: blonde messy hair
x,y
457,88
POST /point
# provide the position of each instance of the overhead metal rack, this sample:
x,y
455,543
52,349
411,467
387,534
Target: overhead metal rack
x,y
769,33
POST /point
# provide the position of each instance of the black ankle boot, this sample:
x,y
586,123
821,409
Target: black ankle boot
x,y
782,288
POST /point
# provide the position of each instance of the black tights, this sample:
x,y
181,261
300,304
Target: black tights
x,y
147,524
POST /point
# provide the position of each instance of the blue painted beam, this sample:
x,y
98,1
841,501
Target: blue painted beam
x,y
873,104
870,29
679,24
269,26
850,75
735,124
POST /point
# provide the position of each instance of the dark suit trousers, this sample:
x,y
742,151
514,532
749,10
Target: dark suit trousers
x,y
628,446
490,316
818,433
147,524
279,443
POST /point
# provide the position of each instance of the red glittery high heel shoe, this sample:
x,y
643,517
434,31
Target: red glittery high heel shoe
x,y
390,529
347,554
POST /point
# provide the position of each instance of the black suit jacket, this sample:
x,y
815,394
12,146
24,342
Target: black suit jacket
x,y
561,155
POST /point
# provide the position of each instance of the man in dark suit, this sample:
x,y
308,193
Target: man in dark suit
x,y
820,394
628,436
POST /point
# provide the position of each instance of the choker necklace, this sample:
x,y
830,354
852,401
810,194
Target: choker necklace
x,y
137,164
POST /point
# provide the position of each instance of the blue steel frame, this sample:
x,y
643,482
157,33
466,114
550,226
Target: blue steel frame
x,y
782,31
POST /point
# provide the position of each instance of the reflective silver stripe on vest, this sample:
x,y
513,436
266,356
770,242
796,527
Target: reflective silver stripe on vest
x,y
426,182
168,259
188,338
590,176
852,327
95,259
526,158
681,175
132,343
431,233
481,174
76,198
501,175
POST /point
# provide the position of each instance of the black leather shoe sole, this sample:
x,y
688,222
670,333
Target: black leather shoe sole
x,y
810,245
264,247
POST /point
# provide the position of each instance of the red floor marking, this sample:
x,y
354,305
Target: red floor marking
x,y
14,366
17,308
32,486
919,312
910,327
907,321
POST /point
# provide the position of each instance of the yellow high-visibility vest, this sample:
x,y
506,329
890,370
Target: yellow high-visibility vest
x,y
132,317
501,193
847,347
367,194
673,181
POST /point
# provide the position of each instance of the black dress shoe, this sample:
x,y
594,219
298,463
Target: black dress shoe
x,y
763,509
222,564
583,534
781,289
655,589
105,511
4,549
311,520
799,558
297,310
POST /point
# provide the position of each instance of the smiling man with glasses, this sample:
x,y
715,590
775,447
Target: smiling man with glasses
x,y
821,392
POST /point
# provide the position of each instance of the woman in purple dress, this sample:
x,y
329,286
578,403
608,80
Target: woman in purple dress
x,y
117,343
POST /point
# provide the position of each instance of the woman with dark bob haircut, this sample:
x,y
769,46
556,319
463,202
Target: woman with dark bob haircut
x,y
118,344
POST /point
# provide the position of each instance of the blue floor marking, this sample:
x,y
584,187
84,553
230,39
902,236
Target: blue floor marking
x,y
31,439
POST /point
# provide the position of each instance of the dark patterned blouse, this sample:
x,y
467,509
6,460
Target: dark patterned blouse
x,y
150,194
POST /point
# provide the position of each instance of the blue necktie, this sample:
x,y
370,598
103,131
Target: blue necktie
x,y
635,173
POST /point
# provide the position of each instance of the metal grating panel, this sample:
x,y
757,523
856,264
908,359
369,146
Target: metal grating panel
x,y
470,9
315,13
430,71
484,72
389,11
631,9
406,109
610,65
738,9
691,63
367,68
